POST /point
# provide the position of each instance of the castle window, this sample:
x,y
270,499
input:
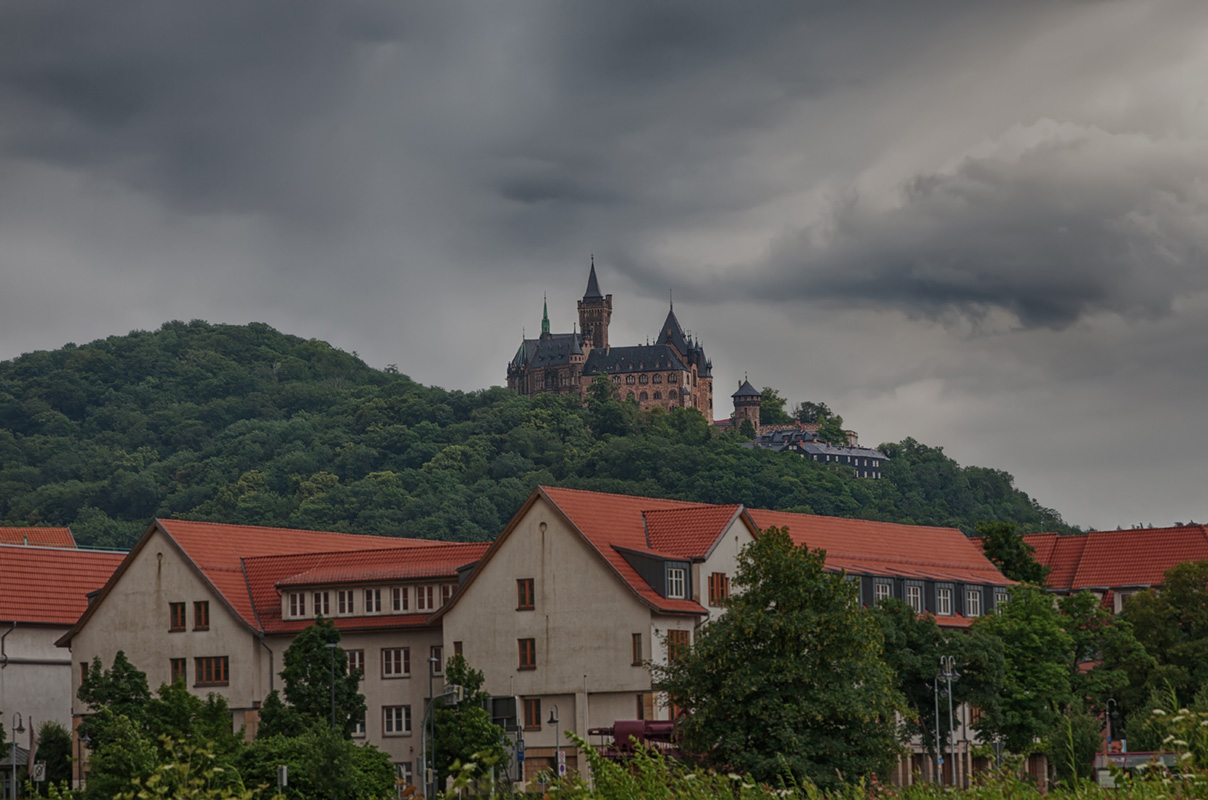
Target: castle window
x,y
629,379
657,378
643,379
672,378
616,378
658,395
643,396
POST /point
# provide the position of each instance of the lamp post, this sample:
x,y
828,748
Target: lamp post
x,y
553,720
1112,715
331,652
84,740
431,788
948,672
18,727
939,750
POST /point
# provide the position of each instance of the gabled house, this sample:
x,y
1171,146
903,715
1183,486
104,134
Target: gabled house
x,y
1116,564
578,593
45,582
216,605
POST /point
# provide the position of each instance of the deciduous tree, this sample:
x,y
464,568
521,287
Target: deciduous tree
x,y
309,665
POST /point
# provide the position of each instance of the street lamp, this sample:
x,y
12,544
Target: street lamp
x,y
553,720
1113,716
18,727
948,672
331,652
431,788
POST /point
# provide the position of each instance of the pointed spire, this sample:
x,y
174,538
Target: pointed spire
x,y
544,314
593,285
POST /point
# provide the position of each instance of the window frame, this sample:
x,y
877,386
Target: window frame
x,y
524,594
373,600
532,713
178,668
211,671
201,615
636,645
399,597
679,642
877,586
446,593
425,598
677,583
915,589
437,651
297,604
943,605
396,662
322,604
527,651
396,714
346,601
177,619
973,597
356,662
719,588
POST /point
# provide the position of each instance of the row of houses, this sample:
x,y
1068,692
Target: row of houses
x,y
562,612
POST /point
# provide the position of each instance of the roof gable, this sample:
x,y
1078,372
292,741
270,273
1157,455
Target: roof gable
x,y
38,537
1107,559
886,548
687,532
50,585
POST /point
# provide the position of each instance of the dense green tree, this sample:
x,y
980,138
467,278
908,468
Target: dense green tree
x,y
808,412
464,731
771,408
309,665
322,764
54,747
1036,686
831,431
1002,544
117,692
1172,625
790,678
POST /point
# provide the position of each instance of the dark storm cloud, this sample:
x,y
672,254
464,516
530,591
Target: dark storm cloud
x,y
1073,222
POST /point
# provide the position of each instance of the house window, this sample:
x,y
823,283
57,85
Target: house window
x,y
399,597
675,583
914,597
83,671
943,600
176,616
402,773
457,649
396,720
373,601
1001,596
973,601
677,645
297,604
437,652
657,378
643,396
356,663
201,615
358,726
211,671
524,594
446,593
344,601
532,713
528,653
396,662
719,588
424,598
176,668
882,590
637,649
641,709
322,604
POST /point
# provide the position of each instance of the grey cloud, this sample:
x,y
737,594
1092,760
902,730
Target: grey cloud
x,y
1078,221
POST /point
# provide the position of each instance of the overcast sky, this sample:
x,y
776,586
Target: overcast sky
x,y
982,225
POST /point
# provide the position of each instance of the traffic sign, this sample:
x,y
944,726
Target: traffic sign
x,y
39,773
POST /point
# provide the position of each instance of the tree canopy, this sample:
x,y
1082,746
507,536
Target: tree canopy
x,y
243,424
790,678
1003,545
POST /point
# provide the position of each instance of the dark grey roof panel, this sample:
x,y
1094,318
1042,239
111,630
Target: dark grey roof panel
x,y
639,358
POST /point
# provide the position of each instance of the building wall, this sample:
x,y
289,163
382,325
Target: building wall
x,y
583,621
35,680
723,559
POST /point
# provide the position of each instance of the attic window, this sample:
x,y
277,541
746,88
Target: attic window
x,y
676,583
943,600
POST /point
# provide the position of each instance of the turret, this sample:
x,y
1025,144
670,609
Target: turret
x,y
746,404
595,312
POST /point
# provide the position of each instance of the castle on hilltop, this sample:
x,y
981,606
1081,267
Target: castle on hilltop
x,y
671,373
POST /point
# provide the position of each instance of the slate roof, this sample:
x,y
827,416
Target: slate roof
x,y
267,576
50,585
671,333
40,537
1117,559
747,390
549,351
593,286
637,358
821,448
888,549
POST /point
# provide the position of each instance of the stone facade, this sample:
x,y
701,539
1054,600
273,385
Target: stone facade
x,y
671,373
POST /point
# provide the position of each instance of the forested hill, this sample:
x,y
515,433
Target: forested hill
x,y
246,424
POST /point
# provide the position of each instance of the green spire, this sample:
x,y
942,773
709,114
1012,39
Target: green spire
x,y
544,314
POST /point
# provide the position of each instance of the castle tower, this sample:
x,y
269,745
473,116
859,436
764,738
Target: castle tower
x,y
595,312
746,405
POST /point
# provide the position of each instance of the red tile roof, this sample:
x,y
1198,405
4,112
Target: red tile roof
x,y
886,548
39,537
50,585
266,575
1117,559
687,532
609,521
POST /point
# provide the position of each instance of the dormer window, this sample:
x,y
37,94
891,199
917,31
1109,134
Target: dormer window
x,y
373,601
943,601
297,604
676,583
322,604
